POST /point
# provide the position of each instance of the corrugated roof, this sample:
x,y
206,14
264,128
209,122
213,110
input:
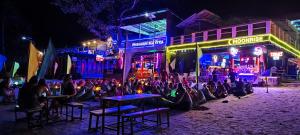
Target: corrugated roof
x,y
204,15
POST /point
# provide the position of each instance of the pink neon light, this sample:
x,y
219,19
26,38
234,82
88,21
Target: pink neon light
x,y
156,65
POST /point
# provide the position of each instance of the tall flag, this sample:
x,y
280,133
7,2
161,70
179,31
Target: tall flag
x,y
69,64
172,64
14,69
33,62
2,61
55,68
48,59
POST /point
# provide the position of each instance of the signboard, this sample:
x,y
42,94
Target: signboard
x,y
99,58
246,40
143,43
276,55
258,51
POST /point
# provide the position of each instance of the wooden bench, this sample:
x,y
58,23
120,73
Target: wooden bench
x,y
29,116
108,111
73,105
157,111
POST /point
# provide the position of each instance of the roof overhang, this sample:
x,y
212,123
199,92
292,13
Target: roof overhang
x,y
148,28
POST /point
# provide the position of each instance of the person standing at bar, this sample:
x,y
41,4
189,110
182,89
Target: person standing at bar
x,y
232,75
214,75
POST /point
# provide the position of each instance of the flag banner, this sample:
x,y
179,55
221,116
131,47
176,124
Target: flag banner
x,y
55,68
14,69
69,64
2,61
172,64
33,62
127,65
48,59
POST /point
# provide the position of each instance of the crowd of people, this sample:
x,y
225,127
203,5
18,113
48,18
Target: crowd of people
x,y
176,90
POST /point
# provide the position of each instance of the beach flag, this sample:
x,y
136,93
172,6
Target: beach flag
x,y
2,61
14,69
48,59
172,64
33,62
69,64
55,68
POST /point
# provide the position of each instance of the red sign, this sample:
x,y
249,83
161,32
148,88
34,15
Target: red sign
x,y
99,58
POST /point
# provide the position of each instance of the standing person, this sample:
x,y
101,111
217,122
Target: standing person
x,y
214,75
28,94
68,86
232,75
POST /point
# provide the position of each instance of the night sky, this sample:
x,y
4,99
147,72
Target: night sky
x,y
41,20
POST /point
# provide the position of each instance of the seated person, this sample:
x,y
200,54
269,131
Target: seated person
x,y
227,87
208,95
183,98
211,87
43,91
248,87
240,89
6,92
221,92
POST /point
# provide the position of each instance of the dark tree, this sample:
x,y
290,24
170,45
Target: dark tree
x,y
101,17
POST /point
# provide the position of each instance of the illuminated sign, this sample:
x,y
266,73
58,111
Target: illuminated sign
x,y
99,58
258,51
215,58
276,55
246,40
233,51
155,42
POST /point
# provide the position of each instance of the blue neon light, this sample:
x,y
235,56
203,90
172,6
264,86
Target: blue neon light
x,y
152,42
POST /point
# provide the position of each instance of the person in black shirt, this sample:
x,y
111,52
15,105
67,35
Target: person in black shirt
x,y
232,75
214,75
68,86
28,96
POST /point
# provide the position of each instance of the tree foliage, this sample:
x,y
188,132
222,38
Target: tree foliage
x,y
101,17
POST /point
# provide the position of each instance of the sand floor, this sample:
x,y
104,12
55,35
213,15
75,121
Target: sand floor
x,y
276,112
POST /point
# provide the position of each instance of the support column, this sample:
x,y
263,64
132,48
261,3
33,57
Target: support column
x,y
219,34
205,36
250,29
233,32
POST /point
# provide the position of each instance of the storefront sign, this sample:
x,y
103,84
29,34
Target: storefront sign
x,y
246,40
99,58
233,51
147,43
258,51
276,55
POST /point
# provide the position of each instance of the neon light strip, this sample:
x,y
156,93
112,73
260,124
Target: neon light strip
x,y
282,42
246,74
213,43
156,64
267,38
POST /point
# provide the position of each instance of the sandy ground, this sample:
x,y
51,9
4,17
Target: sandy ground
x,y
276,112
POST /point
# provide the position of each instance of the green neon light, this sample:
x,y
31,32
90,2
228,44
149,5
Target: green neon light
x,y
286,44
281,44
229,42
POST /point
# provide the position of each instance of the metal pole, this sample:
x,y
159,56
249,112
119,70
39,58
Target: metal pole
x,y
267,84
197,66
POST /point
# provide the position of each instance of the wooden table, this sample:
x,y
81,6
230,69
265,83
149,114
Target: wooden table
x,y
51,98
122,99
